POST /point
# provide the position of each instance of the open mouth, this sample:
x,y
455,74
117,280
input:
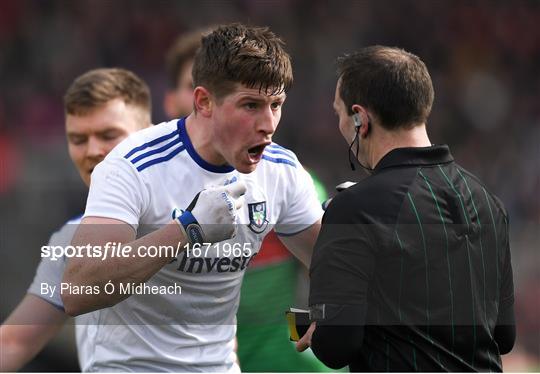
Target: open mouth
x,y
256,152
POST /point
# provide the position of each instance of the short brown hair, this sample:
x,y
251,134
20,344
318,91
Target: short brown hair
x,y
391,82
97,87
253,56
181,52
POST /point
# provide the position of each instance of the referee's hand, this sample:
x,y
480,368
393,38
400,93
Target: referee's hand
x,y
305,342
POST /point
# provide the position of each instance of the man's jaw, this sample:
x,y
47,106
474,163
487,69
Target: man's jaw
x,y
90,166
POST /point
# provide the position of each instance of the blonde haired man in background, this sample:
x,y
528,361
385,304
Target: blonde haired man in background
x,y
102,107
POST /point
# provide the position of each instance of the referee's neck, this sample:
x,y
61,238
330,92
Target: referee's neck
x,y
386,140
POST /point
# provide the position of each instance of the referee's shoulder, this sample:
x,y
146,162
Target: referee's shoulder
x,y
480,186
377,198
359,196
376,187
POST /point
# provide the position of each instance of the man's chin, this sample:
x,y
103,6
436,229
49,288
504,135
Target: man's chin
x,y
86,174
246,168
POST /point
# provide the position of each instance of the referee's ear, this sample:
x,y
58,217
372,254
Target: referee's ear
x,y
361,120
202,101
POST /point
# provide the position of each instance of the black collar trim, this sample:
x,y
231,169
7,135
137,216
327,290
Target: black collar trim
x,y
433,155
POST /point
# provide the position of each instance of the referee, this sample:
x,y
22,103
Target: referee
x,y
411,271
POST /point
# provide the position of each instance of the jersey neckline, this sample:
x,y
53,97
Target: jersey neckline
x,y
195,156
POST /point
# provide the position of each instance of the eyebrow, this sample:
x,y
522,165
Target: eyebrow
x,y
73,133
253,97
109,129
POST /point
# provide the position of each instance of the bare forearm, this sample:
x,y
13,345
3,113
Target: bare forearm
x,y
13,355
27,330
301,245
16,352
93,274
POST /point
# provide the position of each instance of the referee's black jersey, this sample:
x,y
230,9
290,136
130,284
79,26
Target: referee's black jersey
x,y
422,248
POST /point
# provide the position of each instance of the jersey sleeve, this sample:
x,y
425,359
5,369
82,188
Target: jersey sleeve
x,y
51,270
117,191
507,280
302,207
343,258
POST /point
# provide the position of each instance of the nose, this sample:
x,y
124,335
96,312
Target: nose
x,y
268,122
95,148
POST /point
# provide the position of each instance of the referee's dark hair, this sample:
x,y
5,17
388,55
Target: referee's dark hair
x,y
391,82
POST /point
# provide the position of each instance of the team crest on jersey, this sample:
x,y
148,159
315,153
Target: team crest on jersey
x,y
257,217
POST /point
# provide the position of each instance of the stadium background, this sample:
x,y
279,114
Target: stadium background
x,y
484,57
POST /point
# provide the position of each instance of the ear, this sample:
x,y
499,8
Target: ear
x,y
203,101
364,120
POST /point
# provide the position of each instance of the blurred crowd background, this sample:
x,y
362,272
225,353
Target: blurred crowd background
x,y
484,58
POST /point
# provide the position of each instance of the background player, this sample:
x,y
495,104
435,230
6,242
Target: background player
x,y
102,107
178,99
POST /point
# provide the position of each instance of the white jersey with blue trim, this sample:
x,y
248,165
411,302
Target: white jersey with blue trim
x,y
145,181
50,271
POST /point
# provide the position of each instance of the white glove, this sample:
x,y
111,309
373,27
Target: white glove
x,y
211,216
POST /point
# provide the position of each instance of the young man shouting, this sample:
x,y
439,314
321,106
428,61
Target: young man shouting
x,y
209,183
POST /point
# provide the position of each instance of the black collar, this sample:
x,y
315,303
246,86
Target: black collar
x,y
433,155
